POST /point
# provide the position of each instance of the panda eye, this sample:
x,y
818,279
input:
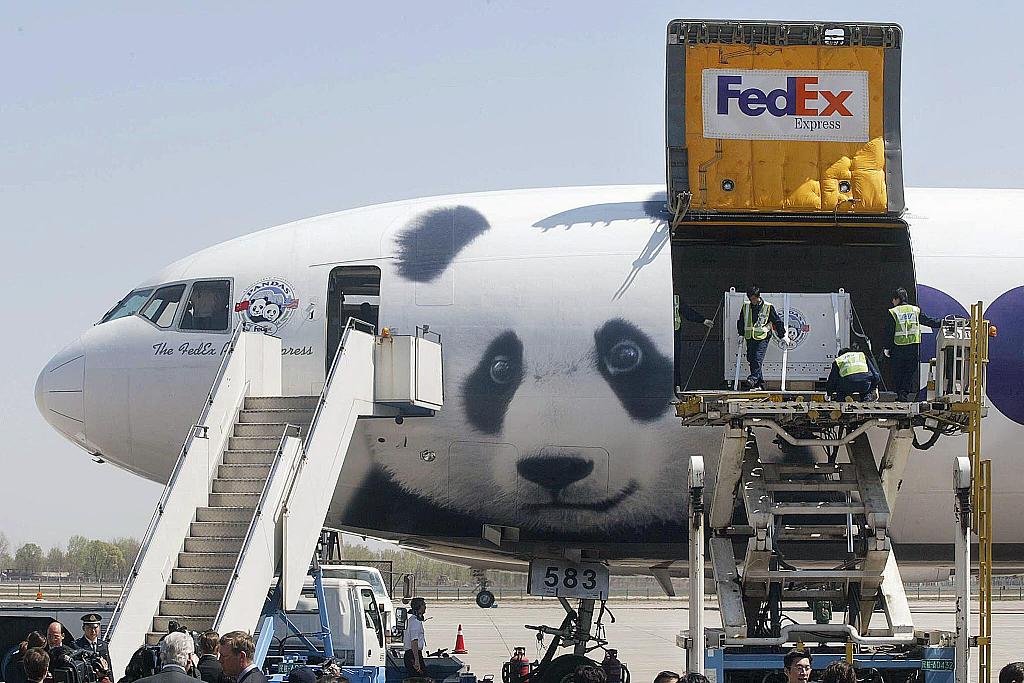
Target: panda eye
x,y
488,390
624,357
502,370
638,373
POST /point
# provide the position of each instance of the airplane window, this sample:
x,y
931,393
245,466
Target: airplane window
x,y
207,307
161,308
129,305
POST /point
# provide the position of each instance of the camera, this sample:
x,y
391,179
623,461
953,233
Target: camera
x,y
77,666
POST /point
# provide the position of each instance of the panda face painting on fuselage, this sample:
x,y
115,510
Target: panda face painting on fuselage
x,y
557,416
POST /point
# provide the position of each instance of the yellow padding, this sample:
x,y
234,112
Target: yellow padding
x,y
785,175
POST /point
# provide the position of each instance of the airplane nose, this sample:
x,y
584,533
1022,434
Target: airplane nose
x,y
555,472
60,391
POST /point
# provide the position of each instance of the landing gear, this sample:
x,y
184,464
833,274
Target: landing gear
x,y
580,631
485,599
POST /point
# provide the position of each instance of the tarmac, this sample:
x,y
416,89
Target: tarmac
x,y
645,635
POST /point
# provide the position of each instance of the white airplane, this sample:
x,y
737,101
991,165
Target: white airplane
x,y
555,307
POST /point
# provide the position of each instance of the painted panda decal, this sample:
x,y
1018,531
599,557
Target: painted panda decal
x,y
558,415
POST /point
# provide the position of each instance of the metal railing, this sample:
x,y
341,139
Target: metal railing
x,y
257,514
352,324
162,502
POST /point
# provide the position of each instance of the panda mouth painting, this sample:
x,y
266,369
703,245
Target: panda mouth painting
x,y
599,506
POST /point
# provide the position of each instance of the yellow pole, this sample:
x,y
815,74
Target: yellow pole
x,y
982,488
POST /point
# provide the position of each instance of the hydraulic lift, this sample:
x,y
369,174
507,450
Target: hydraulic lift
x,y
787,537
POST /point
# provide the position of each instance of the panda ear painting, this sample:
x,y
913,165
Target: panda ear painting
x,y
429,242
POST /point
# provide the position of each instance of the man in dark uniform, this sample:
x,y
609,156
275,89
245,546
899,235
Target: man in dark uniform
x,y
853,373
757,318
682,311
903,344
90,639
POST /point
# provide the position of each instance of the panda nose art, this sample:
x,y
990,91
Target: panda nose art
x,y
555,472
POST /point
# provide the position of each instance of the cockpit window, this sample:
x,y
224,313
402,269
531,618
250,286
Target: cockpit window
x,y
207,307
129,305
164,304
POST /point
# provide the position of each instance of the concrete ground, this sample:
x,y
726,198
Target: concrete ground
x,y
645,634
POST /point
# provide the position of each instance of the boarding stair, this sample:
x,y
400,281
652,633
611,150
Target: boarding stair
x,y
249,493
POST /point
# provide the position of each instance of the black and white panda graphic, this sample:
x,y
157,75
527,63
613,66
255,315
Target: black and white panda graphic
x,y
558,416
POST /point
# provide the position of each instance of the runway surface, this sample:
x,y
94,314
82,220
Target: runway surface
x,y
645,634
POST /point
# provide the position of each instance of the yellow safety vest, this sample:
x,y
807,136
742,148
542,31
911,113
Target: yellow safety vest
x,y
852,363
756,329
908,330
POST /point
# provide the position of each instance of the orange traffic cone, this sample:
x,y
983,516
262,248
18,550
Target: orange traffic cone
x,y
39,595
460,643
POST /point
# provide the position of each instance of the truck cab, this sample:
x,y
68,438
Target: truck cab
x,y
372,576
356,624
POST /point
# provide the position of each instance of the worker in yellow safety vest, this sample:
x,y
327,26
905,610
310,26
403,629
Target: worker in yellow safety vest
x,y
681,311
853,375
903,344
757,318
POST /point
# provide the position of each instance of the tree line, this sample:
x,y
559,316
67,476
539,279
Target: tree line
x,y
81,559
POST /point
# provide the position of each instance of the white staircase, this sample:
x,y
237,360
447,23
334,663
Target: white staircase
x,y
248,495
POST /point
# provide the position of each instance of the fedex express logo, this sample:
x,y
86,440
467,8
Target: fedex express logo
x,y
752,104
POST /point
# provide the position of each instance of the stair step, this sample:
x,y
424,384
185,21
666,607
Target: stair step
x,y
201,575
293,416
251,443
217,544
817,508
281,402
819,532
244,471
811,486
225,513
793,575
220,529
195,591
207,560
268,429
153,638
239,485
192,623
235,500
190,608
252,457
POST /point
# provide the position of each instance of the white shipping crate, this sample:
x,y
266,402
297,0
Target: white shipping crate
x,y
819,324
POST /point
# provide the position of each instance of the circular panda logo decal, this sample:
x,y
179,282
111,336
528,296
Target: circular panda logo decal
x,y
267,305
797,327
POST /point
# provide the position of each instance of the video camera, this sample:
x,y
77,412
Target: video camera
x,y
77,666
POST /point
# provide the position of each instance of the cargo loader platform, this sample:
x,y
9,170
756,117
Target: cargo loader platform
x,y
812,411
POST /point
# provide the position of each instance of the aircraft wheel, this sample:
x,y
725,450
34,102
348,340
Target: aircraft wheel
x,y
485,599
561,669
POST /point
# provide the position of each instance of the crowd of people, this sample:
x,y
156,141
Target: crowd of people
x,y
213,658
180,657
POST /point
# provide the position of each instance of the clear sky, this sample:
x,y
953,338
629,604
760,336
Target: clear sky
x,y
132,134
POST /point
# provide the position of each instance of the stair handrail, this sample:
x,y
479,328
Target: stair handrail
x,y
161,503
256,515
352,324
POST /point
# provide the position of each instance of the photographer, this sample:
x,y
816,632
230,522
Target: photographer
x,y
37,664
176,651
